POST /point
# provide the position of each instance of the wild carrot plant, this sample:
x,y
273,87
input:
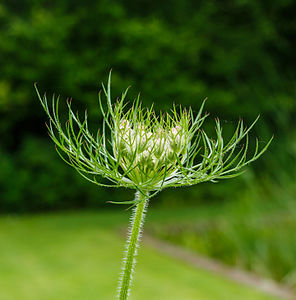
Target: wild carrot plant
x,y
138,149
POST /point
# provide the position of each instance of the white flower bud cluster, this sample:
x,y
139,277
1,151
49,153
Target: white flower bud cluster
x,y
150,147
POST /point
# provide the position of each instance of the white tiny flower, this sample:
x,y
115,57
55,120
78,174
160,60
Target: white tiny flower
x,y
145,154
176,130
124,124
178,140
158,146
148,134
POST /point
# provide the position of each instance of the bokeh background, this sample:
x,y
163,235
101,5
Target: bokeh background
x,y
240,54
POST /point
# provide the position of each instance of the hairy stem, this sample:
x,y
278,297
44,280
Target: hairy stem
x,y
129,260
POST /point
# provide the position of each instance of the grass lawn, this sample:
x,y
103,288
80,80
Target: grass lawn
x,y
76,256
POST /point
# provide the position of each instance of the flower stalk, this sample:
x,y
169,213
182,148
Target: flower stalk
x,y
133,240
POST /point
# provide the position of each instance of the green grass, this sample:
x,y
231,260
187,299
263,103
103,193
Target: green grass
x,y
77,256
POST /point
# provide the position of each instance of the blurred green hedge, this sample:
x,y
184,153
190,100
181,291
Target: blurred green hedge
x,y
239,54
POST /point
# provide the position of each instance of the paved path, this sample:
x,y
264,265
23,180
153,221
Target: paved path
x,y
236,274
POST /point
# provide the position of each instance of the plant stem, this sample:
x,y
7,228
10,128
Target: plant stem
x,y
129,259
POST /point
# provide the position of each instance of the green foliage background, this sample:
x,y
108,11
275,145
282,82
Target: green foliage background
x,y
239,54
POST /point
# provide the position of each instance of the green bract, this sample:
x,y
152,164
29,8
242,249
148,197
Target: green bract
x,y
145,151
141,150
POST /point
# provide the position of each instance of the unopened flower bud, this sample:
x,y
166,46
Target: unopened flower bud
x,y
124,124
159,144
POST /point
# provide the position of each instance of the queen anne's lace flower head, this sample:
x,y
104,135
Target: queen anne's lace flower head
x,y
149,149
139,149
